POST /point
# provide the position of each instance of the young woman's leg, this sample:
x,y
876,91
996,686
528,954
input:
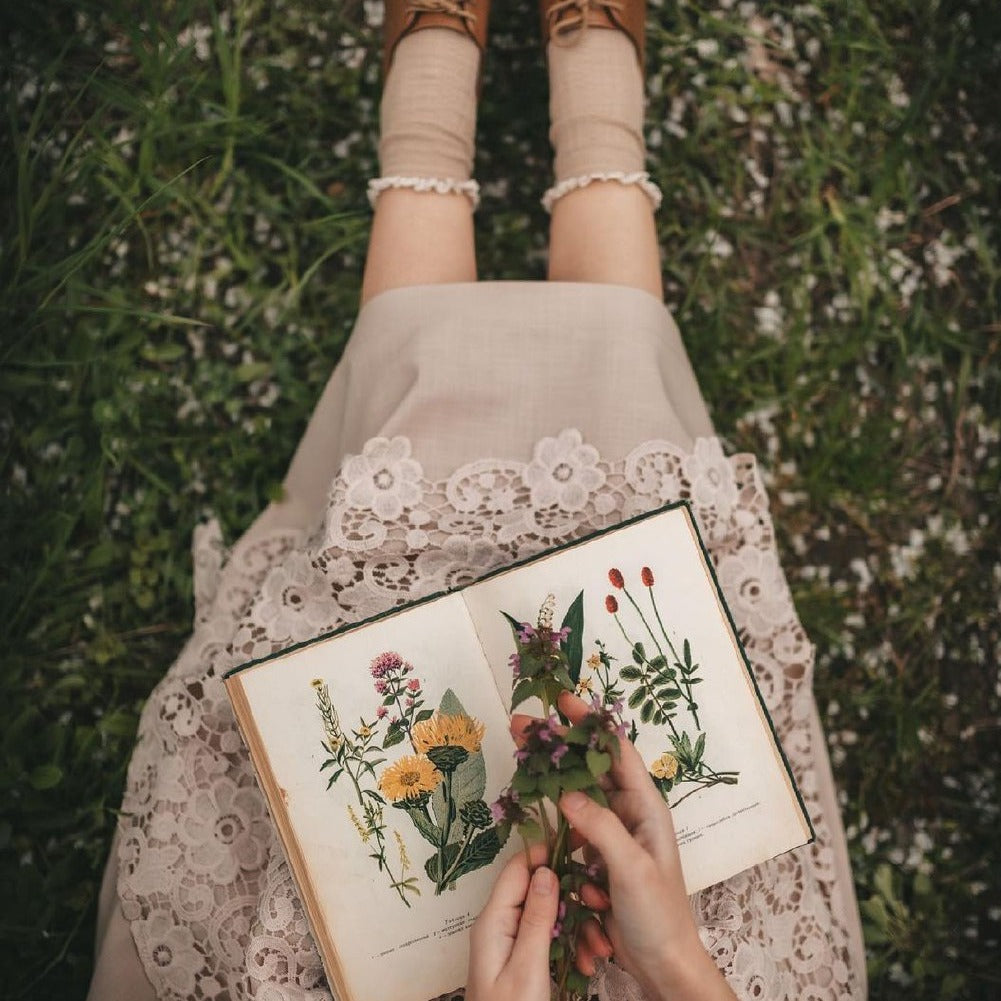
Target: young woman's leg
x,y
422,232
419,238
601,230
605,233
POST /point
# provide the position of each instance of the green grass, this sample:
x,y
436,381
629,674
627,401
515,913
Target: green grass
x,y
183,228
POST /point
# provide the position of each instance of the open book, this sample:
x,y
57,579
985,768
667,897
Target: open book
x,y
380,747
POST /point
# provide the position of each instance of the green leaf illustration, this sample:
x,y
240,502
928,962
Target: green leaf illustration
x,y
482,851
469,780
573,646
512,622
394,736
431,865
425,827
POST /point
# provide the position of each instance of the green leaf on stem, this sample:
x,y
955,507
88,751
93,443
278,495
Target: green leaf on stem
x,y
598,762
394,736
573,645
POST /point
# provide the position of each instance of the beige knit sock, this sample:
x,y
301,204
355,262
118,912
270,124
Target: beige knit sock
x,y
428,115
596,106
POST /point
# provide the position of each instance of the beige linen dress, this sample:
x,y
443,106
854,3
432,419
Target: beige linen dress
x,y
466,425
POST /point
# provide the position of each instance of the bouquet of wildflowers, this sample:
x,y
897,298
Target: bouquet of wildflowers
x,y
554,759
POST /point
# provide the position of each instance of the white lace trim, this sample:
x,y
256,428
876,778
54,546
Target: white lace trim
x,y
640,177
441,185
212,905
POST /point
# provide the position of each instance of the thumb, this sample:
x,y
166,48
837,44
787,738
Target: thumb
x,y
600,827
535,930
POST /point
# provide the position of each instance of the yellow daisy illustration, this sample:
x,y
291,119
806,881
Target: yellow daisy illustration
x,y
441,730
409,778
665,767
594,662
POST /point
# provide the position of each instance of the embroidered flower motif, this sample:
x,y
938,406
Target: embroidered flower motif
x,y
226,829
755,587
172,950
383,478
563,471
711,476
295,600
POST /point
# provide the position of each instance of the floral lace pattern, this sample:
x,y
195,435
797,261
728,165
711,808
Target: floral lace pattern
x,y
202,877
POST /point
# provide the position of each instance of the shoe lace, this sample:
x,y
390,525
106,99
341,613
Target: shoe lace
x,y
456,8
566,16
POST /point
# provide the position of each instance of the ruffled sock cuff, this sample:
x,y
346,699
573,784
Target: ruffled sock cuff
x,y
439,185
640,177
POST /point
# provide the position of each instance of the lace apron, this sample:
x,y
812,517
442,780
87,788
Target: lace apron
x,y
465,427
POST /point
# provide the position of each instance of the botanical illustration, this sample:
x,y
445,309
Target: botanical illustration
x,y
437,784
657,678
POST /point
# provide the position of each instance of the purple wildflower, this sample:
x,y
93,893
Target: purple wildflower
x,y
380,686
506,807
515,661
560,915
558,753
526,633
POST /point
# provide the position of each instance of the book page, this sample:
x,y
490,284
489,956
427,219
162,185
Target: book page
x,y
656,635
389,803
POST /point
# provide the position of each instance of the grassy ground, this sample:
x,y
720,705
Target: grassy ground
x,y
183,227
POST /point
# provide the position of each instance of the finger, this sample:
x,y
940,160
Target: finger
x,y
511,885
535,932
494,931
595,939
602,828
595,897
628,770
584,959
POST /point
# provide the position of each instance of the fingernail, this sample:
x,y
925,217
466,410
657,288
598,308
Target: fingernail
x,y
542,880
573,801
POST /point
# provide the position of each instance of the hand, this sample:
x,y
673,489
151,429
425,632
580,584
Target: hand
x,y
509,941
645,909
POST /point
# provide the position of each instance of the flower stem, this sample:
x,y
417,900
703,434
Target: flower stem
x,y
639,612
458,859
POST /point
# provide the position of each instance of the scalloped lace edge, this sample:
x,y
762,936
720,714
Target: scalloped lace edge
x,y
440,185
640,177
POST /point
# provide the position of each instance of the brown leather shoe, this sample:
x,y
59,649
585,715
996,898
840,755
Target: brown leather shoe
x,y
405,16
563,19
